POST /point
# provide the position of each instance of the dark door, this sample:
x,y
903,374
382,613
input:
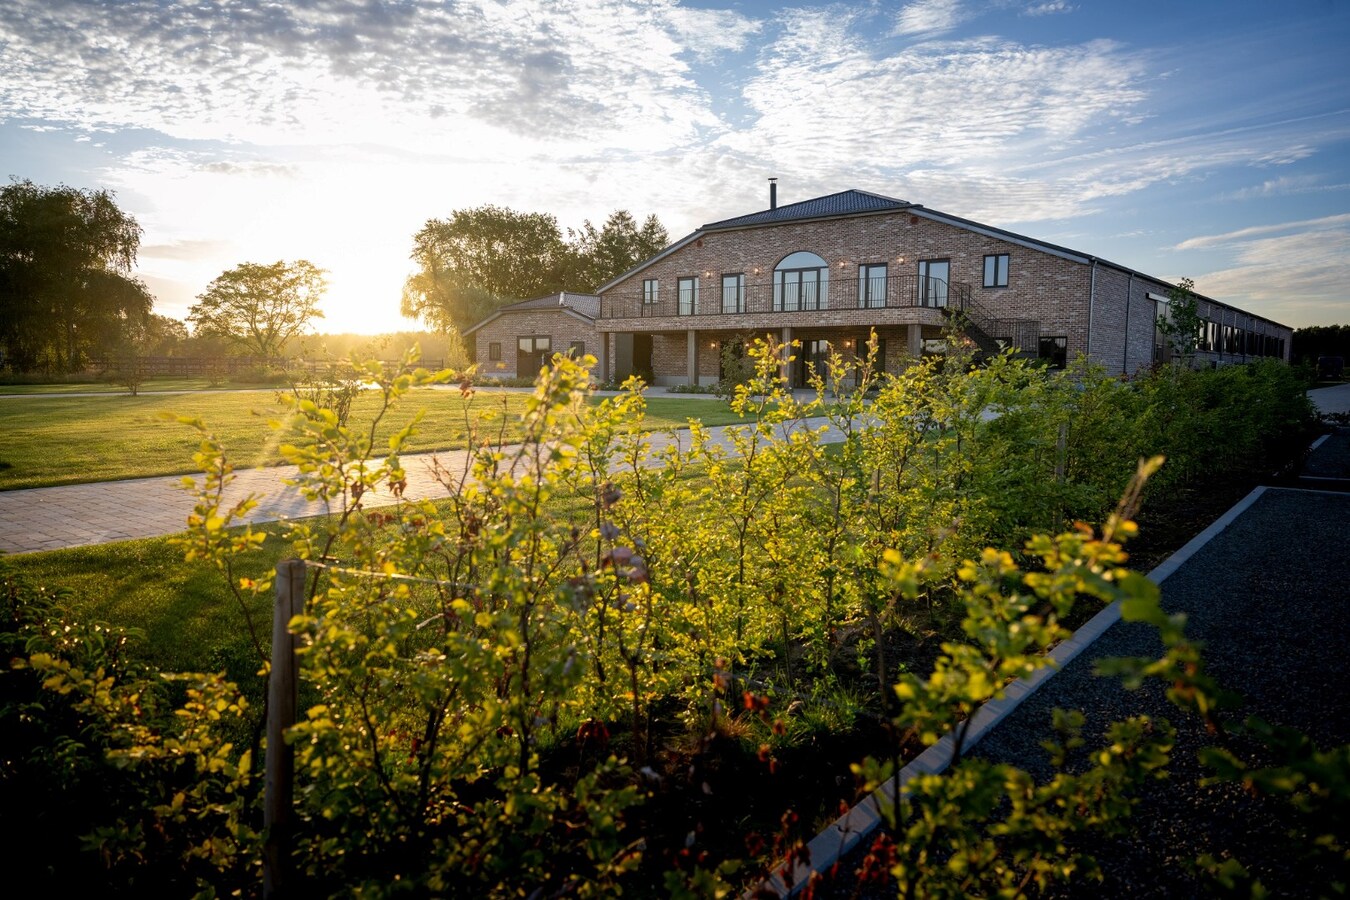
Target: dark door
x,y
642,357
813,353
532,354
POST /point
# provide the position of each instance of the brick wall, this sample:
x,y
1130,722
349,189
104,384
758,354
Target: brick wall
x,y
558,324
1041,286
1055,292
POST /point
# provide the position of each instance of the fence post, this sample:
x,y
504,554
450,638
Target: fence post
x,y
281,703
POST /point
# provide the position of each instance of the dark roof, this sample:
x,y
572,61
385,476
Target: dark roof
x,y
844,203
585,305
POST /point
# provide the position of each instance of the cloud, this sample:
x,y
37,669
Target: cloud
x,y
928,18
1290,277
1245,234
1049,9
980,116
1275,187
183,250
425,72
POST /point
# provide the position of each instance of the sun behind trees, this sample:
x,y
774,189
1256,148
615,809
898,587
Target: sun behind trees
x,y
483,258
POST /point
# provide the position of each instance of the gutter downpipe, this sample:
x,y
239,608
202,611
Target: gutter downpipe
x,y
1092,299
1129,297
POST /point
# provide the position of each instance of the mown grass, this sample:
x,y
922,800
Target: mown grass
x,y
51,440
150,386
189,620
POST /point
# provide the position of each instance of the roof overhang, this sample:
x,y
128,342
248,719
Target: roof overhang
x,y
565,310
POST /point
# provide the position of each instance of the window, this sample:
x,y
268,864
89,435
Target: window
x,y
733,293
801,281
577,349
872,285
933,277
649,290
1055,351
687,290
996,270
534,344
495,352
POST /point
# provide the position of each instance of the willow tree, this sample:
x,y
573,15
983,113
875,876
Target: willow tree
x,y
66,290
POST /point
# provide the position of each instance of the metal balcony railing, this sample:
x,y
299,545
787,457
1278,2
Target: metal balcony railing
x,y
840,292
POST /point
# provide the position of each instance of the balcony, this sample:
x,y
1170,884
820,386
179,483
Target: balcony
x,y
712,303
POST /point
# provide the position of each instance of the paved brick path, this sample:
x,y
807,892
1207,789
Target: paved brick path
x,y
81,514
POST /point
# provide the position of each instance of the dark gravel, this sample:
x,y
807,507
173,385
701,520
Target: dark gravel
x,y
1332,459
1270,599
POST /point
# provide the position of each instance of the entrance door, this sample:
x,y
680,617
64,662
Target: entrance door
x,y
642,358
813,353
532,354
934,274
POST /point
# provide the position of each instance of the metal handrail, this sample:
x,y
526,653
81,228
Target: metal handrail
x,y
839,292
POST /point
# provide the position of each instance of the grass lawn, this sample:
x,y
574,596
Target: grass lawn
x,y
102,387
187,617
50,440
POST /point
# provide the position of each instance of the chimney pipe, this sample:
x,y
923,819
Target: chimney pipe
x,y
773,193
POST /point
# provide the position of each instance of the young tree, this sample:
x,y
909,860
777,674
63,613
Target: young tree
x,y
260,307
1182,322
65,260
480,259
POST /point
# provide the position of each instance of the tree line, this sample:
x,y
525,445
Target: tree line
x,y
481,259
68,294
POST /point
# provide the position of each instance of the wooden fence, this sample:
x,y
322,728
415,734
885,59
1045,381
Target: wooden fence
x,y
216,366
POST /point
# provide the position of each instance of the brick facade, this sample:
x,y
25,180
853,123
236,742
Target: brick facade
x,y
1100,309
560,325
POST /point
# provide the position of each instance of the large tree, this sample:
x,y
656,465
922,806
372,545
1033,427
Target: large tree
x,y
258,307
66,291
483,258
480,259
604,254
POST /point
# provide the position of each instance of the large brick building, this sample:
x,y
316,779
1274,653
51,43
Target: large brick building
x,y
827,272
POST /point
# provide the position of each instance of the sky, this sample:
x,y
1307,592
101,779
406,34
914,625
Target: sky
x,y
1186,138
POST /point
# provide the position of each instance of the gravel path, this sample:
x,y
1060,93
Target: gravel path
x,y
1269,597
1331,458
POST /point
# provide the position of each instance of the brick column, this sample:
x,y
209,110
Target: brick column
x,y
691,355
915,341
786,371
601,373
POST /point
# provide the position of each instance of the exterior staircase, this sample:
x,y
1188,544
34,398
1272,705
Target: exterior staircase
x,y
991,334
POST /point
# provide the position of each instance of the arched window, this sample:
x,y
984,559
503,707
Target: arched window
x,y
801,281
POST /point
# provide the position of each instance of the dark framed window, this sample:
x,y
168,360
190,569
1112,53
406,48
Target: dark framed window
x,y
733,293
934,275
687,291
871,285
801,280
534,344
495,351
1054,350
996,270
650,287
576,349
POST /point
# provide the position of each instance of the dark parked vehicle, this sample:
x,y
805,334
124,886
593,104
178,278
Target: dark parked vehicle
x,y
1330,368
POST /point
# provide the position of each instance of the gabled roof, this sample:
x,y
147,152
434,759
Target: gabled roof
x,y
844,203
583,306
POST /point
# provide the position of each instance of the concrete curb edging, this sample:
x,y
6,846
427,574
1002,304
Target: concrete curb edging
x,y
846,832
